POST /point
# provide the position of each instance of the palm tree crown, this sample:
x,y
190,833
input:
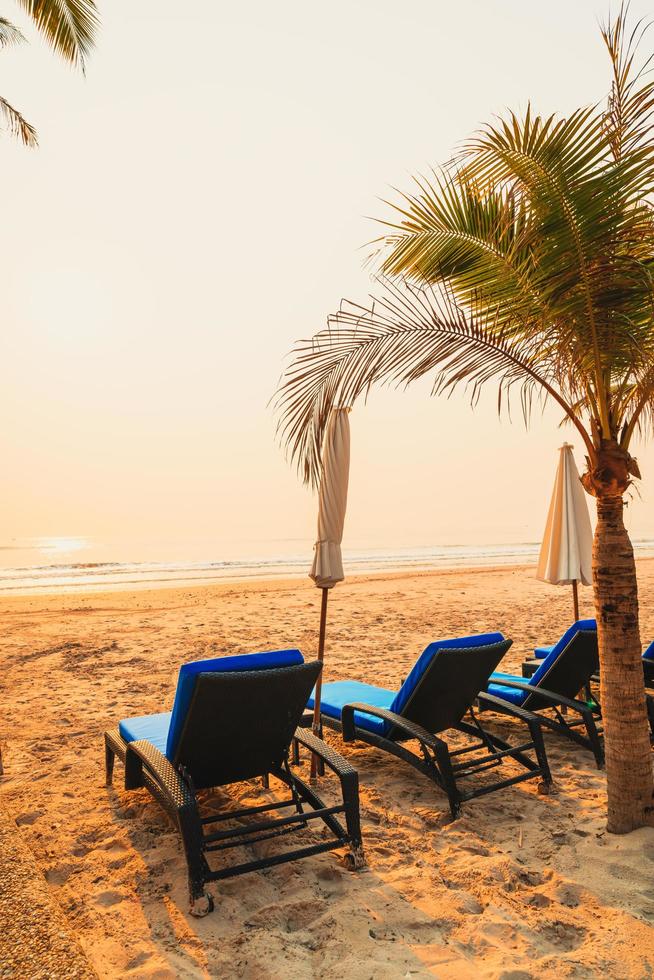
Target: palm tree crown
x,y
526,261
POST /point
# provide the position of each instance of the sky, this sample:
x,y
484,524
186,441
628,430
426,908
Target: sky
x,y
201,200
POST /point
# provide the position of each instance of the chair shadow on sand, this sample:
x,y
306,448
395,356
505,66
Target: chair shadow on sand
x,y
295,909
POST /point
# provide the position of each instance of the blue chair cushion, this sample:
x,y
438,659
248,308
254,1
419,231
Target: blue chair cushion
x,y
154,728
337,693
541,652
649,652
424,660
188,674
512,694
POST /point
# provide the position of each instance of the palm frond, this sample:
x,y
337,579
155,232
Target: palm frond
x,y
69,26
17,125
450,231
406,333
581,202
629,117
637,404
9,33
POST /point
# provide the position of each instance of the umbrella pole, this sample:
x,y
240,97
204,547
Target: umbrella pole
x,y
575,598
317,728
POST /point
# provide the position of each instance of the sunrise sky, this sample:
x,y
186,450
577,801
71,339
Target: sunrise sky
x,y
198,202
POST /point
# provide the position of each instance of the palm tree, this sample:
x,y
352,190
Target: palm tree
x,y
527,262
69,26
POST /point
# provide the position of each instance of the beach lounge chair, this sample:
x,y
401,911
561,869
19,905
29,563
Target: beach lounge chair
x,y
531,665
582,624
566,670
234,719
439,691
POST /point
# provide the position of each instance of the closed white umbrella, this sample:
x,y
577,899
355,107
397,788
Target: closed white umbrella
x,y
566,551
327,568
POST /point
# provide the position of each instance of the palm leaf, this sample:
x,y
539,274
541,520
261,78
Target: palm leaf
x,y
451,231
17,124
404,334
69,26
9,34
630,112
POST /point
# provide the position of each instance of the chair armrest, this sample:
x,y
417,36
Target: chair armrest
x,y
330,757
507,707
143,755
556,699
406,726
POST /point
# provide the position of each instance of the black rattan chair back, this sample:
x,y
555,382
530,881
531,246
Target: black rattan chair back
x,y
450,684
570,672
240,723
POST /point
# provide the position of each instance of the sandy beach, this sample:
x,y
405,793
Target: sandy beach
x,y
522,885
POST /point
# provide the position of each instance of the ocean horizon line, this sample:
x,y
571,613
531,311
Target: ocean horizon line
x,y
94,576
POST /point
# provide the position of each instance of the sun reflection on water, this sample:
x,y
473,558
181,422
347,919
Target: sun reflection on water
x,y
61,545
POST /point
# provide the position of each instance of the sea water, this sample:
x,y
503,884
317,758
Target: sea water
x,y
72,564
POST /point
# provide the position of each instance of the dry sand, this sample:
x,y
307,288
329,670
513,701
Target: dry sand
x,y
520,886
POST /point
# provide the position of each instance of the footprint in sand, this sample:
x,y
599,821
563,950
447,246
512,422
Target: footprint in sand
x,y
622,871
112,844
329,873
291,917
538,900
108,898
468,905
28,818
563,935
60,874
139,959
568,895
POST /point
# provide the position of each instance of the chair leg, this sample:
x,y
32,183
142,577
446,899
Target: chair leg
x,y
108,763
350,789
320,761
190,826
536,733
448,781
596,746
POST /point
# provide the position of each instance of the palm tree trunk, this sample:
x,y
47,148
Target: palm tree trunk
x,y
622,690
